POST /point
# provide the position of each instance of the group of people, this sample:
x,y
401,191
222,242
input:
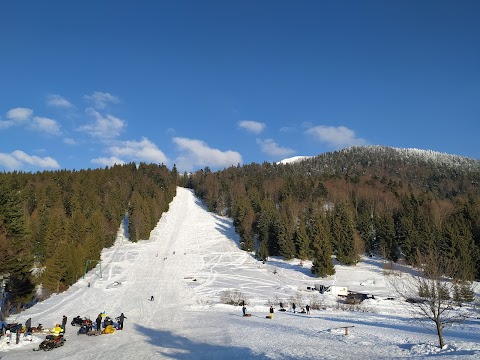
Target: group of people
x,y
305,310
120,319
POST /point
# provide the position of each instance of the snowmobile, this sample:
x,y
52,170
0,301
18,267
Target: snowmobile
x,y
84,329
77,321
51,342
38,329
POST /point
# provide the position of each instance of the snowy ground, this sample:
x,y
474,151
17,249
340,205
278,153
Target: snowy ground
x,y
191,257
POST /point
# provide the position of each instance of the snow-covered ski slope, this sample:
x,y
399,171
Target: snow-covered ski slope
x,y
190,258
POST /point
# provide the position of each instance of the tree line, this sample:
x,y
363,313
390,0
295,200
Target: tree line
x,y
341,205
52,222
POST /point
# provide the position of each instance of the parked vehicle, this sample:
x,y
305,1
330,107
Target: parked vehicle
x,y
355,298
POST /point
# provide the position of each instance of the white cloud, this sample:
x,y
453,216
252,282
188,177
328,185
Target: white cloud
x,y
336,137
17,159
270,147
138,151
110,161
22,116
58,101
252,126
45,125
100,100
5,124
16,116
287,129
9,162
19,114
196,153
104,127
70,141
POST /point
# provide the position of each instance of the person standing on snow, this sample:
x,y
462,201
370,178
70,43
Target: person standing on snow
x,y
121,318
308,309
64,322
98,321
294,307
271,312
244,309
28,327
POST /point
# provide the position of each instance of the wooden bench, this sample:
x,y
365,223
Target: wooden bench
x,y
344,327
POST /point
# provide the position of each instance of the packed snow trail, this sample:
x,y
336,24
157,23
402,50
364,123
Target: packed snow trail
x,y
191,257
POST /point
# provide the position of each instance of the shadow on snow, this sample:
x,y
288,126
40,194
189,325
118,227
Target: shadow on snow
x,y
181,348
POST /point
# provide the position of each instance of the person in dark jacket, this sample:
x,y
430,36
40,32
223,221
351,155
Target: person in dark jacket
x,y
98,322
308,309
294,307
121,318
271,312
28,327
64,322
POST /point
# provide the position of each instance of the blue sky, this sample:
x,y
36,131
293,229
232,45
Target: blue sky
x,y
87,84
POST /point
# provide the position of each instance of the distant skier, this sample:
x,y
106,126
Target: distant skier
x,y
121,318
271,312
151,298
244,309
308,309
294,307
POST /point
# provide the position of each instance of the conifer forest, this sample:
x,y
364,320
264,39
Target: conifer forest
x,y
331,208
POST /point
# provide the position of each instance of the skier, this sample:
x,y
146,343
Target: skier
x,y
121,318
294,307
271,312
244,309
308,309
64,323
151,298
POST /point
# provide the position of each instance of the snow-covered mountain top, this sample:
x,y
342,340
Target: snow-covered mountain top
x,y
293,159
191,259
415,154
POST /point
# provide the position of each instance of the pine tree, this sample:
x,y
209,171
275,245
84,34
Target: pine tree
x,y
343,236
322,250
302,241
285,239
386,235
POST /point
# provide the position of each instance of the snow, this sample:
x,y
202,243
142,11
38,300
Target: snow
x,y
294,159
191,258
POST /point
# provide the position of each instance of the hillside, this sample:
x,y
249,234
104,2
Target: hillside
x,y
376,200
192,256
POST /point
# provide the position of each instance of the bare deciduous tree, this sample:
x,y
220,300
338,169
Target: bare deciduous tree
x,y
432,291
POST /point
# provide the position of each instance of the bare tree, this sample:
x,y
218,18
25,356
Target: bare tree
x,y
431,292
